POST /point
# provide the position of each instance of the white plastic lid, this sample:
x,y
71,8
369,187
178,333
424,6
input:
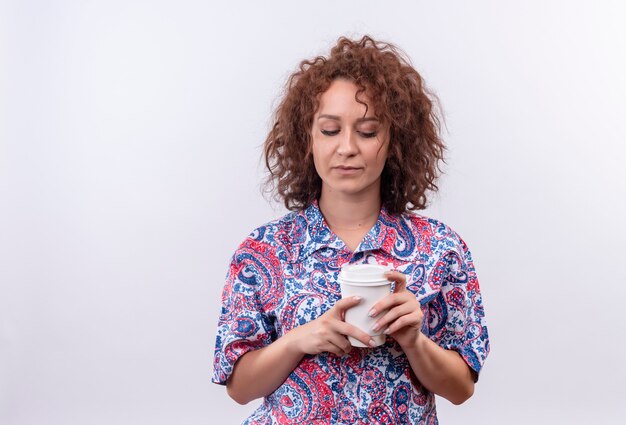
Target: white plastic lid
x,y
363,273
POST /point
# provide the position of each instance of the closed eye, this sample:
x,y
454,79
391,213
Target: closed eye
x,y
368,135
330,132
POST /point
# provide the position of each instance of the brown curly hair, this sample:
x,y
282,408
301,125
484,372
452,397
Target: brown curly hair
x,y
400,99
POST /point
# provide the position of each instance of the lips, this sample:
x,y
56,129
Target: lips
x,y
346,170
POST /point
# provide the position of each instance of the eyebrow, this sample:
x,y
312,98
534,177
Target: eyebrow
x,y
337,118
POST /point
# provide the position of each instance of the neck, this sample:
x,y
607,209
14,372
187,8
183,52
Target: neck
x,y
345,214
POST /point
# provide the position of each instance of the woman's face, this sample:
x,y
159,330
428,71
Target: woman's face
x,y
349,146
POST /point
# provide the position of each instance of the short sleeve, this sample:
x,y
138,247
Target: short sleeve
x,y
456,317
243,325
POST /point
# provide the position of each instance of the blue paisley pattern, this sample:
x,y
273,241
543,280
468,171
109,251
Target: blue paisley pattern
x,y
285,275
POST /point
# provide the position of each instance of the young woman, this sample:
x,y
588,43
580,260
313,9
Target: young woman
x,y
354,148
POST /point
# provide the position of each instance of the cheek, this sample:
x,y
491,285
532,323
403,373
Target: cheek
x,y
320,154
318,157
379,157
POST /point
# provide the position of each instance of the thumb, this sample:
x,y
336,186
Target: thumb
x,y
345,303
399,278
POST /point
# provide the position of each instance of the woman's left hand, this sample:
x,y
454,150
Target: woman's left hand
x,y
403,321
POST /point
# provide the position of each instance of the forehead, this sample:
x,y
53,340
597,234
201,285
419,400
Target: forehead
x,y
341,99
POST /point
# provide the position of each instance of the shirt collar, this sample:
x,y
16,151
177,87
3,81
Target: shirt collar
x,y
311,233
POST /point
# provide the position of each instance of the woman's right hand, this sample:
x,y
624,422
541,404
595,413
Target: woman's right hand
x,y
260,372
328,333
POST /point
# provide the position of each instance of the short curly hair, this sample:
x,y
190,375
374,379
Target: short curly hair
x,y
400,99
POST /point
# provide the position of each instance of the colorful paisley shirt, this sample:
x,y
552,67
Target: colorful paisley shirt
x,y
285,274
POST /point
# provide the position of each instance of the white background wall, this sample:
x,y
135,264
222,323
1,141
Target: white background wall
x,y
130,136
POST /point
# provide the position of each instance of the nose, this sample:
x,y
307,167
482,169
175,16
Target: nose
x,y
347,143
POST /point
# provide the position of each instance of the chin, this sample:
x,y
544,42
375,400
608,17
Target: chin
x,y
350,186
349,189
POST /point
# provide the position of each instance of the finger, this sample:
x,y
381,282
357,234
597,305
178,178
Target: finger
x,y
341,343
350,330
330,334
392,315
344,304
399,278
386,303
332,348
322,340
404,321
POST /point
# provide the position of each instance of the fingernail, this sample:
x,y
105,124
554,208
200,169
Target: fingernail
x,y
372,313
357,298
372,343
376,327
386,331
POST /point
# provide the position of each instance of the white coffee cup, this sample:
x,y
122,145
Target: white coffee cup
x,y
368,282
